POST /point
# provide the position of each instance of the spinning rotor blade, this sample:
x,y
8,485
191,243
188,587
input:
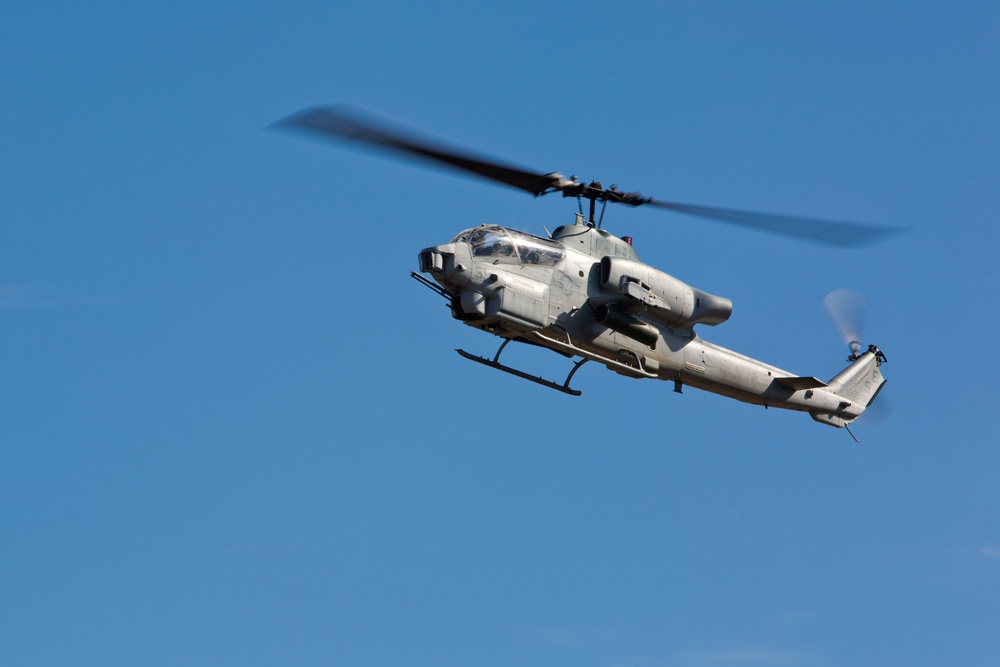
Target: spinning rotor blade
x,y
848,309
342,122
825,232
877,412
352,124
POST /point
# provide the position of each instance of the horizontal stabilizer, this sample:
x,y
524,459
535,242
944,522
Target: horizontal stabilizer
x,y
797,383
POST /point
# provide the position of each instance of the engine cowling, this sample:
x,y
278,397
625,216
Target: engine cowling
x,y
661,297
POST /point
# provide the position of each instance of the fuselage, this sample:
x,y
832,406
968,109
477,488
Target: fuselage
x,y
554,293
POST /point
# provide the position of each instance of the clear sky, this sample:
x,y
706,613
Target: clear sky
x,y
233,431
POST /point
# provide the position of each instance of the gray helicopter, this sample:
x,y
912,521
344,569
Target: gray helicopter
x,y
583,292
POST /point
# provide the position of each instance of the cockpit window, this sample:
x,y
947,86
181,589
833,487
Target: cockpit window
x,y
491,242
511,245
536,250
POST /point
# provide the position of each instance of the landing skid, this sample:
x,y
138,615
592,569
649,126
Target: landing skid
x,y
495,363
847,426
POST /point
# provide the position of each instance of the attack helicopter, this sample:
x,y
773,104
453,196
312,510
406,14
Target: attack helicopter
x,y
584,293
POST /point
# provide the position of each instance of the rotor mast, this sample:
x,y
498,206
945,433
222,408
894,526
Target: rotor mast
x,y
593,191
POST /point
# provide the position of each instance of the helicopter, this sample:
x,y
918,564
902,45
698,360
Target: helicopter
x,y
583,292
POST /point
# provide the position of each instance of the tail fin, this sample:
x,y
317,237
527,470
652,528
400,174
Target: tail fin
x,y
858,385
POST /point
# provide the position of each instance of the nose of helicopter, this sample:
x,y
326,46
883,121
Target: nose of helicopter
x,y
448,263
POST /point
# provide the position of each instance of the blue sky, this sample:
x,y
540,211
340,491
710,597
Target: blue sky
x,y
234,432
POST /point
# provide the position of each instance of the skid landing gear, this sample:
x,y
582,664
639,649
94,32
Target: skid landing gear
x,y
495,363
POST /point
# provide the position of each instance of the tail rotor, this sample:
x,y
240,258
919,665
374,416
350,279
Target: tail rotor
x,y
848,309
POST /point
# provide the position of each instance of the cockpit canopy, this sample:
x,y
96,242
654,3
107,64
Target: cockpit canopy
x,y
511,246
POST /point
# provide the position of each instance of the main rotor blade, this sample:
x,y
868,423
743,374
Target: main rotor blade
x,y
355,125
351,124
824,232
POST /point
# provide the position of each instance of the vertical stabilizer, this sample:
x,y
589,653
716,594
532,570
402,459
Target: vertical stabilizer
x,y
861,381
858,385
